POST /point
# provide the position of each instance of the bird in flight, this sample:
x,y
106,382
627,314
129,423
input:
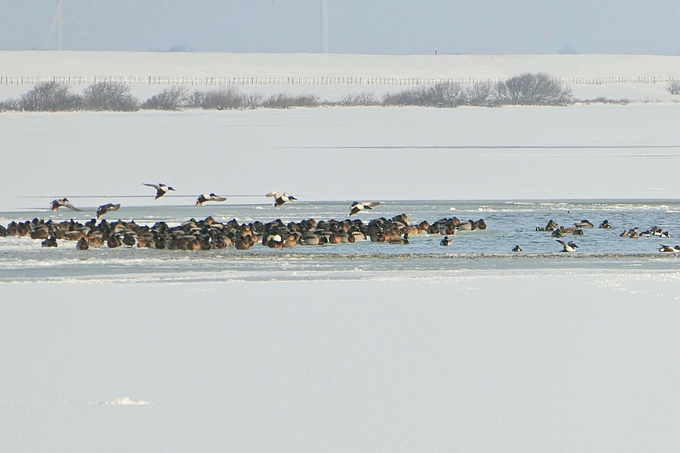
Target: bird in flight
x,y
202,198
56,204
103,209
161,189
357,207
280,199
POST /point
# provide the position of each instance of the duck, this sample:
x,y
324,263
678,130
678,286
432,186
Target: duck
x,y
517,248
568,246
605,224
108,207
402,240
357,207
62,203
669,249
161,189
280,199
203,198
583,224
49,242
446,241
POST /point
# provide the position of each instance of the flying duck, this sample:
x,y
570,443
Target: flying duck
x,y
280,199
568,246
161,189
56,204
103,209
358,207
202,198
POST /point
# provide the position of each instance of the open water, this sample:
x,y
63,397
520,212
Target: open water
x,y
509,223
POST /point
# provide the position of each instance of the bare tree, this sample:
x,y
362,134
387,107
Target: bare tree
x,y
673,87
50,97
173,98
109,96
533,89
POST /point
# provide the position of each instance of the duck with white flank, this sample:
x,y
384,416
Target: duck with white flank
x,y
280,199
161,189
568,246
446,241
108,207
517,248
56,204
203,198
669,249
357,207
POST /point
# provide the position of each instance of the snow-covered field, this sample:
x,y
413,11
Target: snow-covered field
x,y
479,361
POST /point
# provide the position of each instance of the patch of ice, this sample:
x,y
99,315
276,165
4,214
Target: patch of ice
x,y
124,401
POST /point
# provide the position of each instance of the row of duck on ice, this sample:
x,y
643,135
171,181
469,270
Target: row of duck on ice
x,y
162,189
210,234
559,231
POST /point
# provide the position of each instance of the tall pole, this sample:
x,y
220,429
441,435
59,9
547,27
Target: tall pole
x,y
59,41
324,26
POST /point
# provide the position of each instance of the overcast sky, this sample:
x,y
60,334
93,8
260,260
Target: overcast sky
x,y
355,26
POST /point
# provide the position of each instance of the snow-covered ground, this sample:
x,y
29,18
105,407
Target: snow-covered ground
x,y
500,361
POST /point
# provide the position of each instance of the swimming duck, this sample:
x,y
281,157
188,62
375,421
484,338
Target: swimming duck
x,y
357,207
446,241
583,224
103,209
669,249
605,224
49,242
517,248
203,198
568,246
161,189
401,240
56,204
280,199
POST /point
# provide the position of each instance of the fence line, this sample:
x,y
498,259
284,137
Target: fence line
x,y
262,81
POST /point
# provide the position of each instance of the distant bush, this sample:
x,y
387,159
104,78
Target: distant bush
x,y
174,98
673,87
10,105
603,100
109,96
356,100
480,94
286,101
49,97
222,99
532,89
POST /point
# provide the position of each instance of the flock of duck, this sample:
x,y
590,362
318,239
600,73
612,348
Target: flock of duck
x,y
559,231
209,234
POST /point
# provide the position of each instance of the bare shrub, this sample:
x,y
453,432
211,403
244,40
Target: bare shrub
x,y
223,99
532,89
361,99
480,94
286,101
252,100
10,105
442,94
673,87
403,98
603,100
109,96
173,98
49,97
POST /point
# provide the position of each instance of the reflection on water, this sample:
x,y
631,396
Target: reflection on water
x,y
509,223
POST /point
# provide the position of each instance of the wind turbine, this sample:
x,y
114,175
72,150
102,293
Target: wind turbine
x,y
56,20
324,26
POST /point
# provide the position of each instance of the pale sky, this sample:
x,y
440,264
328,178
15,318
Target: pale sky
x,y
355,26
